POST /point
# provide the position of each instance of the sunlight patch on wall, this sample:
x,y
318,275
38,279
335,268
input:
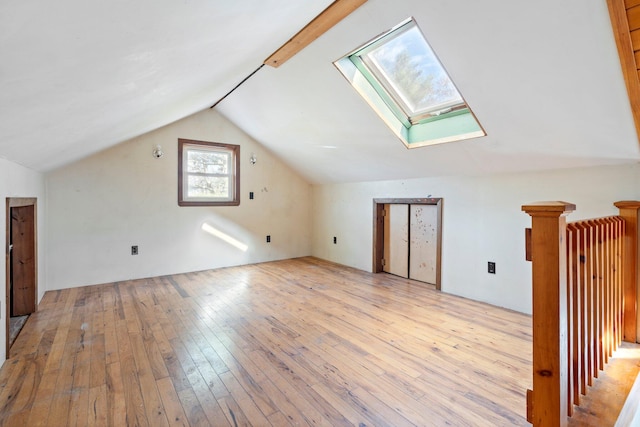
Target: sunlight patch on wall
x,y
224,237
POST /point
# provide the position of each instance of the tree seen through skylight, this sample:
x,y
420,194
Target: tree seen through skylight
x,y
411,68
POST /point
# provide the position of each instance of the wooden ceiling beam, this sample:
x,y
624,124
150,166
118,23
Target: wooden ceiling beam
x,y
622,35
336,12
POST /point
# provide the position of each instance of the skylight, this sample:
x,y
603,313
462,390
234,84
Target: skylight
x,y
399,75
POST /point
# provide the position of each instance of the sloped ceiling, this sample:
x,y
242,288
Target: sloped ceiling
x,y
542,77
77,76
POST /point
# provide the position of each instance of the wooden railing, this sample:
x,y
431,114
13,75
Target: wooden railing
x,y
585,277
594,300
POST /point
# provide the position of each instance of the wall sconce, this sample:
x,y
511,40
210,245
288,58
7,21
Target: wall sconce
x,y
157,151
253,159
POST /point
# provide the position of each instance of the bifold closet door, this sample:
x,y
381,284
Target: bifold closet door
x,y
396,241
423,248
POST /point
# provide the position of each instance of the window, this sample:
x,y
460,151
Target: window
x,y
208,173
400,76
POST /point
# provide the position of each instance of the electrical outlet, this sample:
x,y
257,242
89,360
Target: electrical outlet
x,y
134,250
269,239
335,240
491,267
251,195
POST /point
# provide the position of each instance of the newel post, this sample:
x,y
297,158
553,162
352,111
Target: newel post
x,y
629,212
547,404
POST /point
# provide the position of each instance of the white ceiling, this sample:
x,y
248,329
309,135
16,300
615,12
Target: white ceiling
x,y
77,76
542,77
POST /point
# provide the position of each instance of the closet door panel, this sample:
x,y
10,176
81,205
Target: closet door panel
x,y
396,240
423,248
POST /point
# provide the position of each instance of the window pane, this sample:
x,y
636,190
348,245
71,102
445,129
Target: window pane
x,y
410,67
208,186
208,161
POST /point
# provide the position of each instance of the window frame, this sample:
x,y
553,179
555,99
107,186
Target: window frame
x,y
234,173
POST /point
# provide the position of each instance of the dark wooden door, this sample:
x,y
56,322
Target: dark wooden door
x,y
23,268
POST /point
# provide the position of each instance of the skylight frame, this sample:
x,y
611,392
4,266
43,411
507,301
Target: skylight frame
x,y
453,123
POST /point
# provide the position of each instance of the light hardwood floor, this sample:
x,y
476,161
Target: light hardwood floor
x,y
296,342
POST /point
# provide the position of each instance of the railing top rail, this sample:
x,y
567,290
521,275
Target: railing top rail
x,y
596,221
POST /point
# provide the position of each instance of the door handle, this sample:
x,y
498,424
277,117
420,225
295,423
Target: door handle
x,y
10,248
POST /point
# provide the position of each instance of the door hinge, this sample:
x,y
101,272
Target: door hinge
x,y
384,212
384,262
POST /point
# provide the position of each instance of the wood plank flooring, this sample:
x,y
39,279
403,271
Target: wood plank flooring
x,y
603,402
297,342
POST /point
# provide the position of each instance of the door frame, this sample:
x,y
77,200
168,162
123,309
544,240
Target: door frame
x,y
378,231
16,202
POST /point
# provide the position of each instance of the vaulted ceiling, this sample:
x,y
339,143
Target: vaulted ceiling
x,y
543,78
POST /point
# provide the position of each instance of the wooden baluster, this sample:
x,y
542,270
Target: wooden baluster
x,y
606,300
591,306
611,285
619,280
614,295
601,292
629,212
549,271
573,310
601,302
621,268
598,298
582,305
615,224
570,313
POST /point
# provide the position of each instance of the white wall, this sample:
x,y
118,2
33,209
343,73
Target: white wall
x,y
18,181
100,206
482,221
